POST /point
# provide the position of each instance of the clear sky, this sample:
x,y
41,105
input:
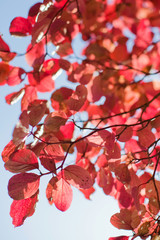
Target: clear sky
x,y
85,220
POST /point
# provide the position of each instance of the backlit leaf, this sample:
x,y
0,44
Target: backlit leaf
x,y
20,27
60,193
21,209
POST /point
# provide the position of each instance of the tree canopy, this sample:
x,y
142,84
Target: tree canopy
x,y
102,126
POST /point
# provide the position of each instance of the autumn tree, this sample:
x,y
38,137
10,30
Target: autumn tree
x,y
108,121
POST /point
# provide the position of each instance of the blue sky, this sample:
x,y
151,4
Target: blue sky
x,y
87,220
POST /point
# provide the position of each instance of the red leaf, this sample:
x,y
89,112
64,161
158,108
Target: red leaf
x,y
54,121
124,199
60,193
4,72
102,139
51,66
42,81
66,131
124,134
119,238
120,53
78,98
47,161
21,161
39,30
64,64
114,157
122,173
14,97
21,209
15,76
20,27
87,192
94,89
58,99
104,177
146,137
143,230
64,49
78,177
33,11
36,109
8,150
54,151
22,129
5,53
122,220
35,55
29,96
4,46
23,185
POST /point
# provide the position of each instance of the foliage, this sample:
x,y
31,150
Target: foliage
x,y
103,130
